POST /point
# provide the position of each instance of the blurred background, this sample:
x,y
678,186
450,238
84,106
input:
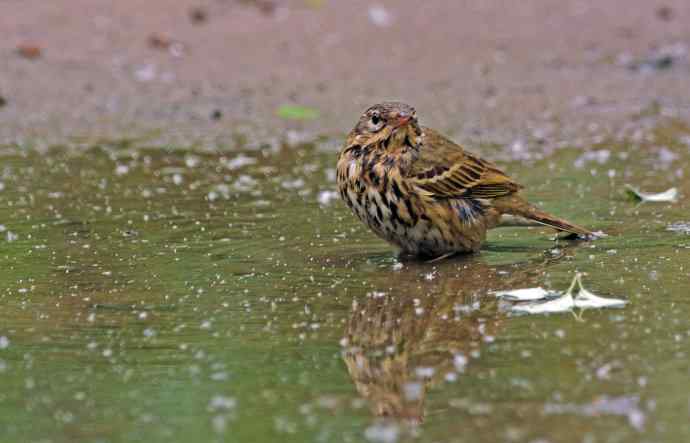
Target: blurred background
x,y
209,69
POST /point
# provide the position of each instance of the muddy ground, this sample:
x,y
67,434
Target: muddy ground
x,y
203,72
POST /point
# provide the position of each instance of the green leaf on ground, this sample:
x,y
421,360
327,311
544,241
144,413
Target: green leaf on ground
x,y
296,112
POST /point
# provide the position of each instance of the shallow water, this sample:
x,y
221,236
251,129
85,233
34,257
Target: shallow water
x,y
158,294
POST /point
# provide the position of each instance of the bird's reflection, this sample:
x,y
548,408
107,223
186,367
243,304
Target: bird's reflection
x,y
425,327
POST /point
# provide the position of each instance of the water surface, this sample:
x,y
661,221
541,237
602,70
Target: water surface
x,y
169,294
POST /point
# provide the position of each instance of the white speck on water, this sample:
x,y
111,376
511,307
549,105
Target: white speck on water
x,y
91,317
121,169
177,179
244,183
326,197
219,423
238,162
398,266
424,372
519,150
192,161
284,425
3,228
143,315
295,138
220,376
149,332
11,236
107,353
413,391
330,174
4,342
379,15
3,365
297,183
666,155
460,362
222,403
600,156
382,432
626,406
206,324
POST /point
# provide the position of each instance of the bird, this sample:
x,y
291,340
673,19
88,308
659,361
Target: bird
x,y
424,193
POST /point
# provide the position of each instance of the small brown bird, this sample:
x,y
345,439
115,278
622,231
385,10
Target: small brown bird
x,y
422,192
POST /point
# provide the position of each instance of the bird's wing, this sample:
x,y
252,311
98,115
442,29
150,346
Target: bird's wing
x,y
445,170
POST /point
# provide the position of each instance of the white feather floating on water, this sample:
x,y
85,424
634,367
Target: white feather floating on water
x,y
563,302
669,195
526,294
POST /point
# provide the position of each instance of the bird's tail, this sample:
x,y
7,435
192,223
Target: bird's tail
x,y
516,205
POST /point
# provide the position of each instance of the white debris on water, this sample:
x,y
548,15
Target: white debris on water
x,y
424,371
460,362
626,406
244,183
527,294
326,197
297,183
330,175
669,195
219,424
666,156
238,162
4,342
576,297
600,156
680,227
192,161
383,432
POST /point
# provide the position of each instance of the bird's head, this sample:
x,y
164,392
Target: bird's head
x,y
388,126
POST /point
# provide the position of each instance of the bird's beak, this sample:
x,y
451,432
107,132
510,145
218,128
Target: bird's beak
x,y
403,120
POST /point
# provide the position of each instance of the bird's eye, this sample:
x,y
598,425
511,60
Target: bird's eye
x,y
375,119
